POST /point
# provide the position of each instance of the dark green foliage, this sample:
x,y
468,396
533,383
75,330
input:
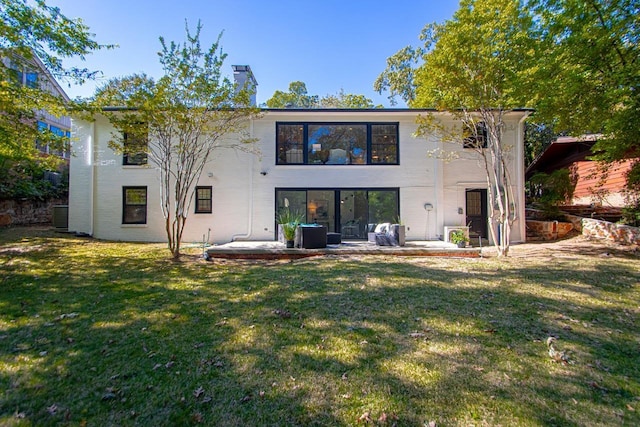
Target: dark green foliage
x,y
551,190
631,212
537,137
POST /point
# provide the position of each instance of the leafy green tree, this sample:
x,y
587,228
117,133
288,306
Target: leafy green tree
x,y
552,190
298,97
345,100
31,32
588,75
398,78
178,120
471,66
538,136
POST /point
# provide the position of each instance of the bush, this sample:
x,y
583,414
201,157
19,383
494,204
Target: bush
x,y
549,191
30,180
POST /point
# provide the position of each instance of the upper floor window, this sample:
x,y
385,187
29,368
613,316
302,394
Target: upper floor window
x,y
22,76
135,145
336,143
56,142
31,80
476,137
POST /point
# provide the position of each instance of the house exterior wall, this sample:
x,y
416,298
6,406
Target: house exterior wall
x,y
244,184
598,183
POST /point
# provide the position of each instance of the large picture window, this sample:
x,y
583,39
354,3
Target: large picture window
x,y
134,205
337,143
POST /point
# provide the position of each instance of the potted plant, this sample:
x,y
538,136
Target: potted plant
x,y
289,221
459,238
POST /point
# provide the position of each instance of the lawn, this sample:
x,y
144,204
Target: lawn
x,y
101,333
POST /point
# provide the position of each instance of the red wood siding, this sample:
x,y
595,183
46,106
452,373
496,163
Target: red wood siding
x,y
591,177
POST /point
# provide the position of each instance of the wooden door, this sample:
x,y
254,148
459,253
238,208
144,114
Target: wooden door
x,y
476,201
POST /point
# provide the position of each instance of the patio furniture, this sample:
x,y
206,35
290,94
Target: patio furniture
x,y
389,235
334,238
311,237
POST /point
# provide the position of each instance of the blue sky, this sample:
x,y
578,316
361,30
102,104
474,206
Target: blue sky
x,y
328,44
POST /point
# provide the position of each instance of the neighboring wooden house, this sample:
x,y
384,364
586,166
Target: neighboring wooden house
x,y
595,182
342,168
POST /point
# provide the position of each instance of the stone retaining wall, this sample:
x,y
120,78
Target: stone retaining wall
x,y
623,234
27,212
549,230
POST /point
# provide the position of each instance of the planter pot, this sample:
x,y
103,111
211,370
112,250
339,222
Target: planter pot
x,y
462,244
289,244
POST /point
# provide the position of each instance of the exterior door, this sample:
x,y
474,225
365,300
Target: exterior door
x,y
353,214
476,201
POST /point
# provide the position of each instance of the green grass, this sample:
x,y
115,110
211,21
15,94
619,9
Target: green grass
x,y
101,333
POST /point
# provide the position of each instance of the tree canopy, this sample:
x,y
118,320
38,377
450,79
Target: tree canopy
x,y
471,66
178,120
34,39
588,74
298,97
576,62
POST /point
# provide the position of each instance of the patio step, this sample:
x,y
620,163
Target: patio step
x,y
256,252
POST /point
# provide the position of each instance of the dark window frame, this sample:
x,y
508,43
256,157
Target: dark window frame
x,y
478,139
125,205
198,208
139,158
336,190
369,161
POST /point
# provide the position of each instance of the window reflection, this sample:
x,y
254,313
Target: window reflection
x,y
337,144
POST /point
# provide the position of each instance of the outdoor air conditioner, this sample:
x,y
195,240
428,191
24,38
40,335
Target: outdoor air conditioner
x,y
451,228
61,216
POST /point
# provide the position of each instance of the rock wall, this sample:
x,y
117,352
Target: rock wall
x,y
549,230
27,212
623,234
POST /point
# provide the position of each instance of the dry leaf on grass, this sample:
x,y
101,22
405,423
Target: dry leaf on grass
x,y
198,392
365,418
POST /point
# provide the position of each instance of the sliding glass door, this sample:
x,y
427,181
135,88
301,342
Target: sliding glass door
x,y
346,211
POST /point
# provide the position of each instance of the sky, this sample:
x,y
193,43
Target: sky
x,y
327,44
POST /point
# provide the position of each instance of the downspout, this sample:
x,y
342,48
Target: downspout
x,y
92,159
521,202
249,232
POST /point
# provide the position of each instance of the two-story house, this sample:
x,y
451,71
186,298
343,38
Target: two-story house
x,y
341,168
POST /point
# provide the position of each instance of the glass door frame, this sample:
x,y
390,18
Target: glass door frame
x,y
337,208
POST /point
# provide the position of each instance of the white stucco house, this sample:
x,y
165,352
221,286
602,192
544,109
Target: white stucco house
x,y
341,168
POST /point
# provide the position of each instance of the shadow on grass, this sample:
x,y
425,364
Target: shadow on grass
x,y
116,334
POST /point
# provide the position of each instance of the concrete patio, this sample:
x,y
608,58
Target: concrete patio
x,y
277,250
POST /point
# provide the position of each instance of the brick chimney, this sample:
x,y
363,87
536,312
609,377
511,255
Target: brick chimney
x,y
244,78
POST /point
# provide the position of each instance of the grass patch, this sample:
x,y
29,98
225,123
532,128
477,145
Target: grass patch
x,y
101,333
